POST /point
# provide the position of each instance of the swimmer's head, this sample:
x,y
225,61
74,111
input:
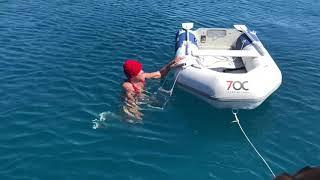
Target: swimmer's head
x,y
132,68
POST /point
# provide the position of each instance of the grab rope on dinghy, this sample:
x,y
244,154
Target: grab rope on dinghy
x,y
235,113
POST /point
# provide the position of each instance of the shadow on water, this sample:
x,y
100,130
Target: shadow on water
x,y
213,123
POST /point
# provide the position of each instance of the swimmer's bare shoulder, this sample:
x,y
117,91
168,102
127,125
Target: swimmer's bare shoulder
x,y
129,91
127,86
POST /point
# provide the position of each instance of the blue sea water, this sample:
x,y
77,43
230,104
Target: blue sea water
x,y
61,66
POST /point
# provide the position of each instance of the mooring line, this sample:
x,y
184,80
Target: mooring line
x,y
235,112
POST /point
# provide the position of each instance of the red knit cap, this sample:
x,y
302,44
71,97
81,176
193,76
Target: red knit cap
x,y
131,68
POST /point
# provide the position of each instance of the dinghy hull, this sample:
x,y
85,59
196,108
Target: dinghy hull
x,y
239,76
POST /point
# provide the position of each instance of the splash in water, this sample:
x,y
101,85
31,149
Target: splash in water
x,y
102,119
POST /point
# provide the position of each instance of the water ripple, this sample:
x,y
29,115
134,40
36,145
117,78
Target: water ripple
x,y
61,65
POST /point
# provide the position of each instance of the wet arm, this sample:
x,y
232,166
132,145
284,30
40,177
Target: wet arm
x,y
164,70
129,96
128,92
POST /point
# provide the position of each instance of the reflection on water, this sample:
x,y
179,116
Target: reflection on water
x,y
148,101
145,101
133,111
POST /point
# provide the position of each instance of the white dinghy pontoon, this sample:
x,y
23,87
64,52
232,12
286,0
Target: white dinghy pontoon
x,y
226,67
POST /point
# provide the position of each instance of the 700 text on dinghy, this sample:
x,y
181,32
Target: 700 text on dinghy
x,y
237,85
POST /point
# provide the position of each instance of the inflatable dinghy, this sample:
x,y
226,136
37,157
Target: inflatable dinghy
x,y
226,67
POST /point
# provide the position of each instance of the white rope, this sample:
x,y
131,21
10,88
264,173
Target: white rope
x,y
174,83
167,91
171,89
234,112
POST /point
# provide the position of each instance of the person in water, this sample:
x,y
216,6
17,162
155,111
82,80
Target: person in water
x,y
134,85
136,76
